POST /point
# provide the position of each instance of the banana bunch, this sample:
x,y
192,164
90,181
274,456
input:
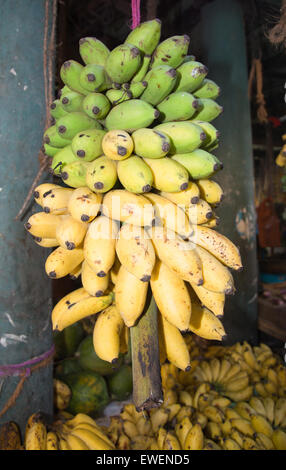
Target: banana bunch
x,y
62,394
139,115
10,436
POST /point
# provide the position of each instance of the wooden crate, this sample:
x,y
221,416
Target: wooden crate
x,y
272,319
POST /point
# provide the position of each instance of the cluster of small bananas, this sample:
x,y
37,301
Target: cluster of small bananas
x,y
156,102
110,243
281,157
211,407
67,432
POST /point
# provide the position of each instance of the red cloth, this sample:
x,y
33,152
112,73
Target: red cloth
x,y
268,225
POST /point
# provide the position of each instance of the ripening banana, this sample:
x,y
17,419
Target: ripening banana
x,y
177,106
36,437
116,96
46,242
218,245
160,80
74,174
131,115
70,232
61,159
93,51
280,411
99,244
171,296
171,215
279,439
149,143
212,134
185,136
199,163
135,175
43,225
130,296
56,200
146,36
184,198
213,301
240,395
171,51
117,144
168,175
125,206
190,76
176,348
208,89
87,145
180,256
52,442
62,261
93,284
84,204
75,442
171,442
106,334
53,139
217,277
261,424
208,110
195,438
72,123
199,213
91,439
41,190
101,174
135,251
205,324
211,191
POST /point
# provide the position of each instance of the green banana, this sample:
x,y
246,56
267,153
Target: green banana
x,y
171,52
93,78
72,101
135,175
211,132
131,115
62,158
118,96
122,63
160,82
150,143
190,76
52,138
93,51
136,89
57,110
101,174
185,136
86,145
49,150
168,175
208,89
74,174
72,123
70,72
208,110
140,74
199,163
96,105
145,36
178,106
188,58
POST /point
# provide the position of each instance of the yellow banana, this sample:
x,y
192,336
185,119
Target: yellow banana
x,y
182,429
244,409
212,223
205,324
135,251
214,414
171,442
250,444
171,215
106,334
43,225
243,425
46,242
264,441
240,395
231,373
213,430
236,384
210,190
75,442
213,301
185,197
62,394
215,368
56,200
218,245
91,440
225,366
261,424
279,439
42,189
130,296
93,284
63,444
205,366
99,245
52,442
199,213
76,272
124,206
250,359
217,277
36,437
93,427
180,256
84,204
10,436
194,439
230,444
237,436
158,417
171,296
175,345
202,388
162,433
185,398
269,405
62,262
280,411
70,233
221,402
209,444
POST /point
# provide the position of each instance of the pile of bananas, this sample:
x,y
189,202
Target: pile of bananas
x,y
214,406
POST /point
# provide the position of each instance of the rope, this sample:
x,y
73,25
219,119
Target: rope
x,y
135,5
24,370
256,71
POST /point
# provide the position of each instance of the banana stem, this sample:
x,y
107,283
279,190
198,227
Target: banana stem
x,y
147,385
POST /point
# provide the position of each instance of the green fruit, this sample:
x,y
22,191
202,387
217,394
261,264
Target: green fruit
x,y
160,82
178,106
168,175
211,132
189,58
74,174
136,89
52,138
190,76
140,74
57,109
120,384
184,135
135,175
208,89
101,174
63,157
89,393
66,366
96,105
50,151
87,145
122,63
70,72
150,143
131,115
72,123
208,110
67,341
145,36
118,96
93,78
72,101
199,163
89,360
171,52
93,51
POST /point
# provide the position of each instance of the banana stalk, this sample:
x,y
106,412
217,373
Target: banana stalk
x,y
147,386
